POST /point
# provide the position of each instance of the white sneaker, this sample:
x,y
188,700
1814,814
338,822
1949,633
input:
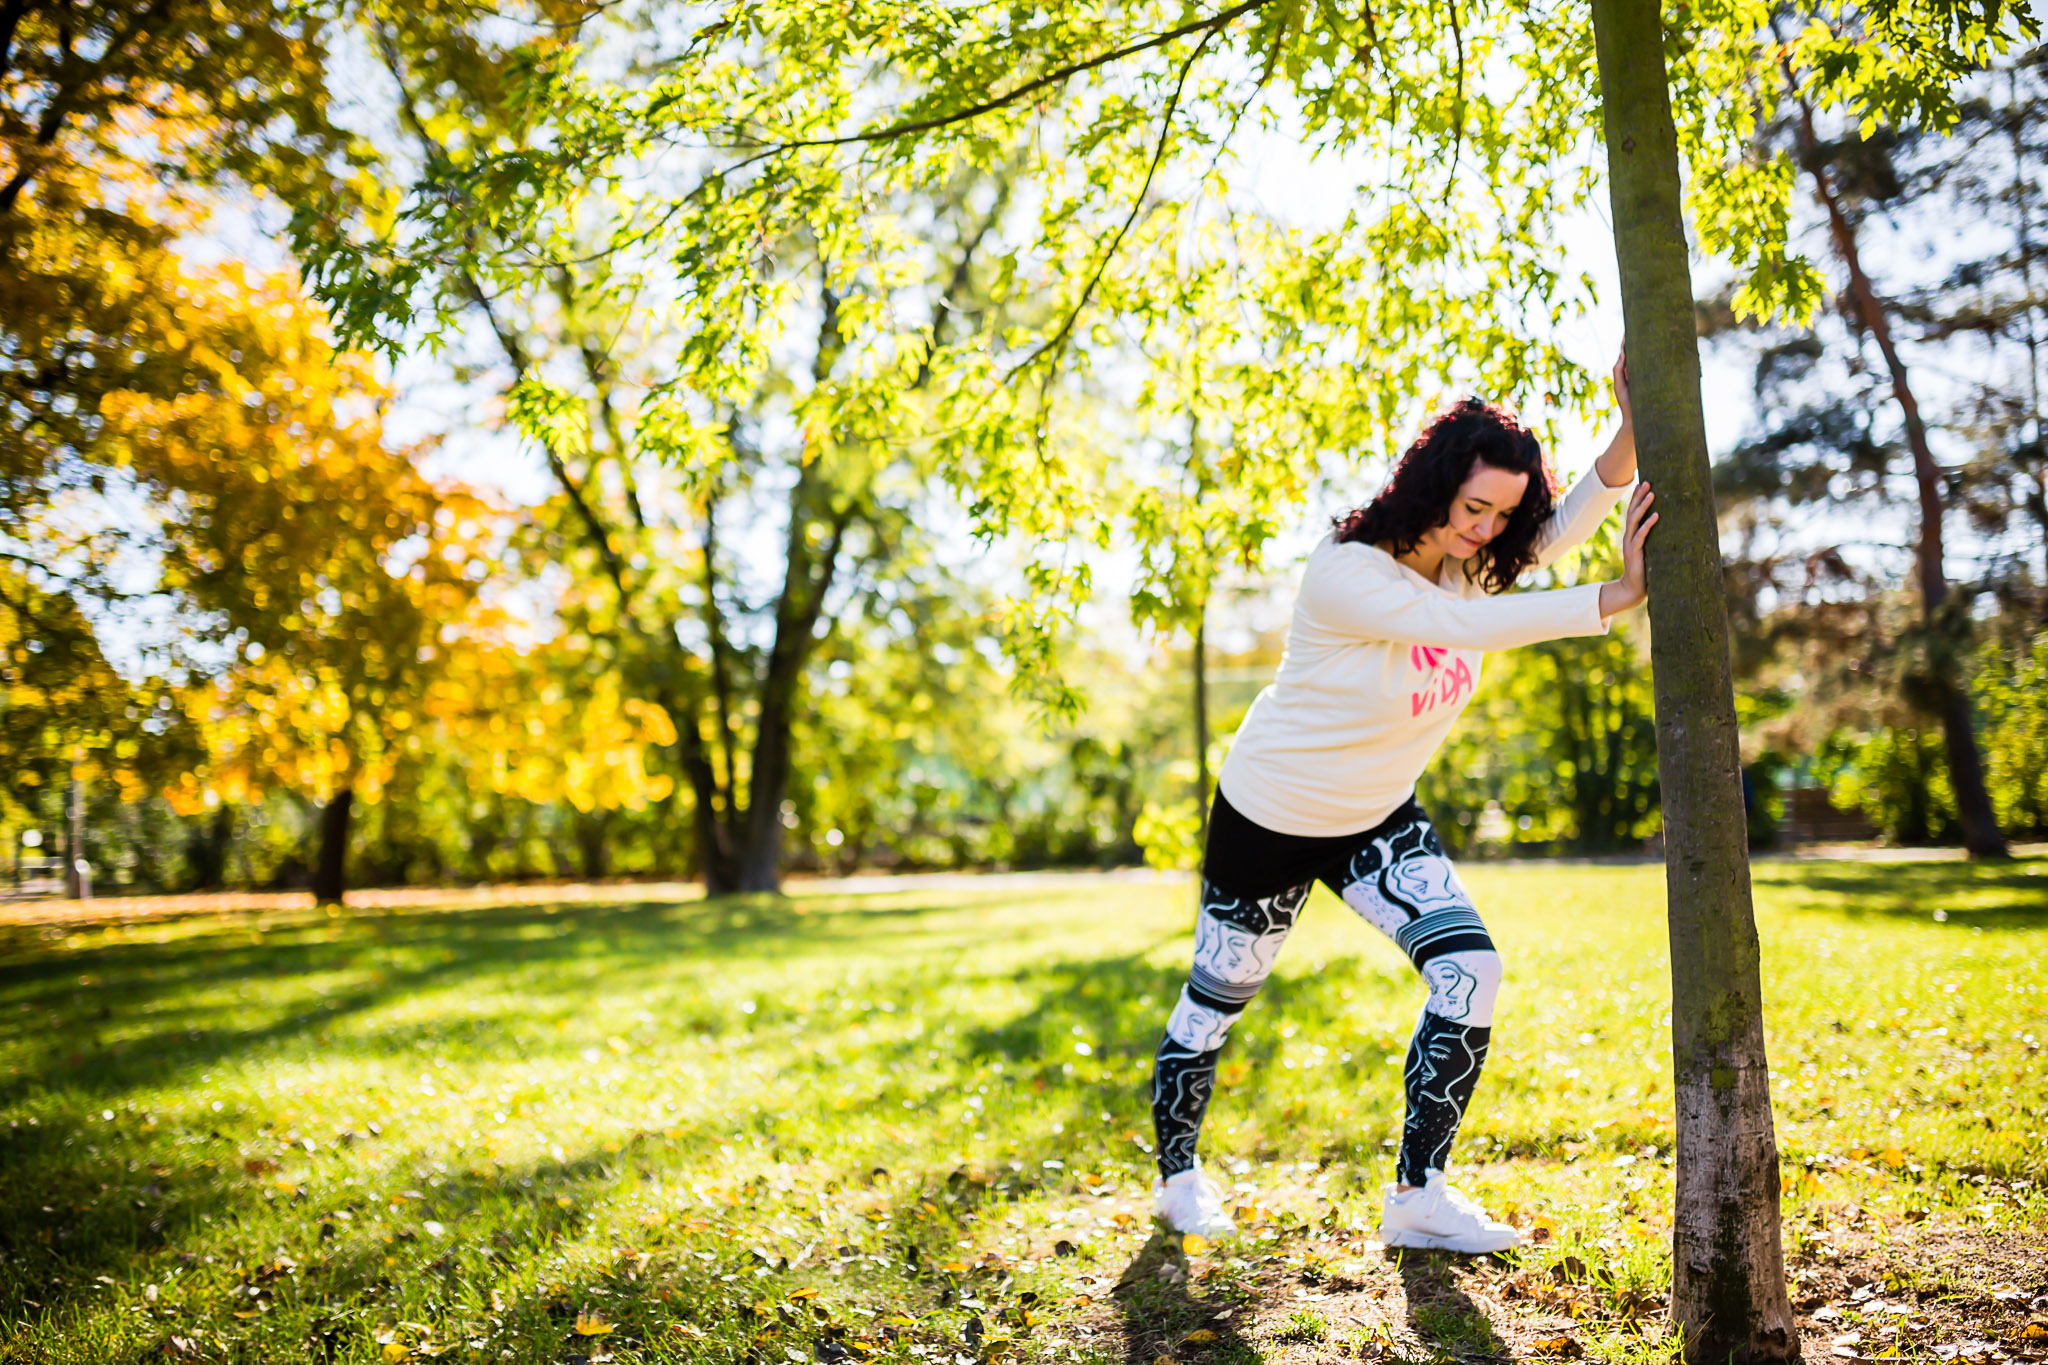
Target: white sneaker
x,y
1441,1217
1191,1202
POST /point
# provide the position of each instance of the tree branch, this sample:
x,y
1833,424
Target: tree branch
x,y
907,127
508,341
1457,106
1066,328
962,272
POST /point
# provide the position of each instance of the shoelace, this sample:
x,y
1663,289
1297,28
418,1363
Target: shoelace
x,y
1458,1200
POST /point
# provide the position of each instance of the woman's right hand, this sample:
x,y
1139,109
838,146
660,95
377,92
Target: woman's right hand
x,y
1631,588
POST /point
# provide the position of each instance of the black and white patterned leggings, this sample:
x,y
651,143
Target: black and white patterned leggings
x,y
1400,882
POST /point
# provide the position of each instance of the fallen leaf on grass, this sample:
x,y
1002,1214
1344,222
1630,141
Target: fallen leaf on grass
x,y
2034,1332
1199,1335
1194,1244
1557,1348
592,1325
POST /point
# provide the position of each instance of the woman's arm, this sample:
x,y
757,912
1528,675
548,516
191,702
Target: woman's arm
x,y
1617,464
1580,512
1359,593
1632,587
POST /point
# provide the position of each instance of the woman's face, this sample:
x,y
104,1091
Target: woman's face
x,y
1481,509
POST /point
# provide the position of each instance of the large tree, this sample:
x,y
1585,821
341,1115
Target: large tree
x,y
726,488
1878,631
1941,618
116,121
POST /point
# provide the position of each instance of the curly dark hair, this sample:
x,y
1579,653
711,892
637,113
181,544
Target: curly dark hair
x,y
1417,497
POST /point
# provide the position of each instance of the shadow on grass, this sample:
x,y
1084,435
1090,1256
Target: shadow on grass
x,y
1440,1312
61,1004
1971,895
82,1192
123,1024
1157,1312
68,1220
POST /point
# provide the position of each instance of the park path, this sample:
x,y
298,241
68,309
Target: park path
x,y
141,909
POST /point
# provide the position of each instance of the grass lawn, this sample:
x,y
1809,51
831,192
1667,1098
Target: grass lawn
x,y
912,1128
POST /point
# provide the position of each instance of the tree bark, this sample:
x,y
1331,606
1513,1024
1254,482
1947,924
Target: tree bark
x,y
330,867
1981,834
1728,1292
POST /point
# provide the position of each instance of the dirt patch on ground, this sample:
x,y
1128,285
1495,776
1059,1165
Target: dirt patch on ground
x,y
1876,1290
1867,1292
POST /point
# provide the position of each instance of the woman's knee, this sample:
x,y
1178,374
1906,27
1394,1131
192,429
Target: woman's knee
x,y
1463,986
1199,1026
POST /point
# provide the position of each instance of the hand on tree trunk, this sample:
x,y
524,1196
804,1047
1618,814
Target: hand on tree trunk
x,y
1633,587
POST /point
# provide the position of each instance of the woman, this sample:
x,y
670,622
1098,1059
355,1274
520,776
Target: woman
x,y
1396,608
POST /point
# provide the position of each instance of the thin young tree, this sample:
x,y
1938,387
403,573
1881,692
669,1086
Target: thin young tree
x,y
1728,1292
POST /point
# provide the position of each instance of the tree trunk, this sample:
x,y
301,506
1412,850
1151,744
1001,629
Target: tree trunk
x,y
806,581
1981,834
593,842
330,868
1728,1293
77,875
1201,652
716,862
208,849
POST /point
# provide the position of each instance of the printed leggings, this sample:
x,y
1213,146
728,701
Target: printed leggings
x,y
1400,882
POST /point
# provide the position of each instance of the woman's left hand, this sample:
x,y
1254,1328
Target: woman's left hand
x,y
1633,586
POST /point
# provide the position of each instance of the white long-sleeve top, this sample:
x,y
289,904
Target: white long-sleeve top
x,y
1379,663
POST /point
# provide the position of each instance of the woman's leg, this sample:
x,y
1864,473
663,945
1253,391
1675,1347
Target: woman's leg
x,y
1402,884
1236,941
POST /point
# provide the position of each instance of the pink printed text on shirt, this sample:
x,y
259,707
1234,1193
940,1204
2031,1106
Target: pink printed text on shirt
x,y
1446,687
